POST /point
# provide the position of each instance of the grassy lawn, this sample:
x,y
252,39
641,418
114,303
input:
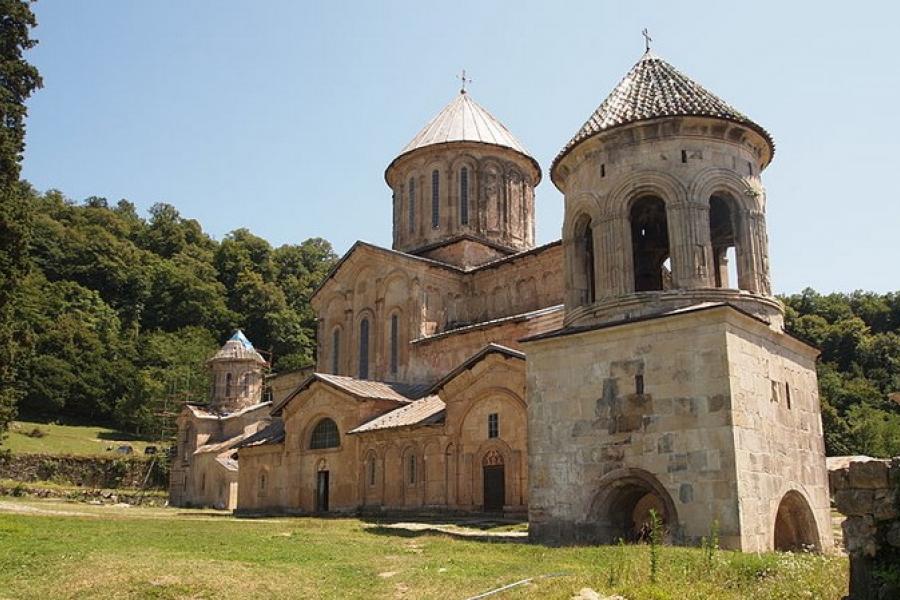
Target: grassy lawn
x,y
59,550
69,439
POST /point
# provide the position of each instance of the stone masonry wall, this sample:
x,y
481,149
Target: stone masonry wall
x,y
868,493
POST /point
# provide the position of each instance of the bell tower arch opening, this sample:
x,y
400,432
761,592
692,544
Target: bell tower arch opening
x,y
723,228
650,244
585,264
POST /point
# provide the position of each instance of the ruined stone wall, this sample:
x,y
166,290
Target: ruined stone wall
x,y
868,493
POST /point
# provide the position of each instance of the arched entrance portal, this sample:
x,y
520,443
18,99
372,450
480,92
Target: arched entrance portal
x,y
795,525
494,473
622,507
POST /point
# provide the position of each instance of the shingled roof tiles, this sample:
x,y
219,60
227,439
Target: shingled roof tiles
x,y
414,413
375,390
653,89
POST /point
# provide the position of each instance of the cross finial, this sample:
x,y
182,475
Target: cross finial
x,y
462,78
647,39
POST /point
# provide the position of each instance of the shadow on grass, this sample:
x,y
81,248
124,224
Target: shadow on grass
x,y
404,532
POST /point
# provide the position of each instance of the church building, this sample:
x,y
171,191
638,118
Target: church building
x,y
584,382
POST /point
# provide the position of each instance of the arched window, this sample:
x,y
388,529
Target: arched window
x,y
364,349
245,384
325,435
464,196
336,351
228,378
370,470
395,350
411,469
723,237
435,199
263,483
585,273
650,244
411,204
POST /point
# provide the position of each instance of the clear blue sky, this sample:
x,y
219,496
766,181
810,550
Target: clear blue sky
x,y
281,116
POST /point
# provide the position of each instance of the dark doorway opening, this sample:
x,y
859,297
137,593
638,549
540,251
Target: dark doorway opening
x,y
322,491
494,488
795,525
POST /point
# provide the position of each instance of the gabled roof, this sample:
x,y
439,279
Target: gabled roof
x,y
364,389
238,347
200,412
421,412
653,89
273,433
470,362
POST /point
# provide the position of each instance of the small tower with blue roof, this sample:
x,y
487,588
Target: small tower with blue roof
x,y
237,375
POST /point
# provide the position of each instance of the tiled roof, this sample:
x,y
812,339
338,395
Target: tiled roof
x,y
362,388
653,89
273,433
238,347
420,412
464,120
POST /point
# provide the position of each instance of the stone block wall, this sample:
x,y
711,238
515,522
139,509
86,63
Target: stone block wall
x,y
868,493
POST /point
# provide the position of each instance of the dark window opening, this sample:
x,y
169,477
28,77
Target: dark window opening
x,y
603,170
364,349
411,199
650,245
639,384
435,199
493,425
228,379
371,470
684,156
395,333
585,270
325,435
722,236
411,465
464,196
787,394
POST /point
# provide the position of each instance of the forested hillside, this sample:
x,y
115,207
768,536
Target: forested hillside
x,y
859,369
122,311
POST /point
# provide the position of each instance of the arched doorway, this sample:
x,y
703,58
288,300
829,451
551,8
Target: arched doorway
x,y
650,244
322,486
621,509
795,525
494,476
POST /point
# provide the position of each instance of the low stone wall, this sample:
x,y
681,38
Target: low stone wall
x,y
868,493
87,495
85,471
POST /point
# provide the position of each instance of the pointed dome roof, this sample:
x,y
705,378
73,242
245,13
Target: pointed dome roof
x,y
654,89
238,347
464,120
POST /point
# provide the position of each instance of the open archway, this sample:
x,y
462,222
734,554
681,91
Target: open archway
x,y
650,244
795,525
621,508
584,277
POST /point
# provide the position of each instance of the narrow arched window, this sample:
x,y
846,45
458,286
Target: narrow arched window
x,y
263,483
411,201
435,198
395,335
245,384
650,245
464,196
364,349
411,467
371,470
336,351
325,435
228,378
585,268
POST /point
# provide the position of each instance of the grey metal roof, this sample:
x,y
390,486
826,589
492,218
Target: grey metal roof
x,y
273,433
464,120
420,412
653,89
365,389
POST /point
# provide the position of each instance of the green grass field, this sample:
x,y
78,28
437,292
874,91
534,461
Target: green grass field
x,y
69,439
58,550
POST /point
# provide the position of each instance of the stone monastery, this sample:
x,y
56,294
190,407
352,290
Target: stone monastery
x,y
623,368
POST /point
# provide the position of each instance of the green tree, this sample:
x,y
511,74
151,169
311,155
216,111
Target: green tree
x,y
18,80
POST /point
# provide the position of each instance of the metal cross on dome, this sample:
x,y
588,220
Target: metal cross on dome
x,y
464,81
647,39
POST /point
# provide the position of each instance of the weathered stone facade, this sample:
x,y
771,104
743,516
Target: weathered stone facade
x,y
670,386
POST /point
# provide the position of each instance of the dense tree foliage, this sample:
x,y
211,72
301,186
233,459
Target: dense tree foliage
x,y
124,311
18,80
859,369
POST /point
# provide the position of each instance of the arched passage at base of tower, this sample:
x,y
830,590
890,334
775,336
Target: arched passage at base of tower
x,y
795,525
621,509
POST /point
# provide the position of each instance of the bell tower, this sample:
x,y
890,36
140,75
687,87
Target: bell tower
x,y
671,383
463,188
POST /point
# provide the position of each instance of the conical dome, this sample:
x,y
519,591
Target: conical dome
x,y
655,89
464,120
238,347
